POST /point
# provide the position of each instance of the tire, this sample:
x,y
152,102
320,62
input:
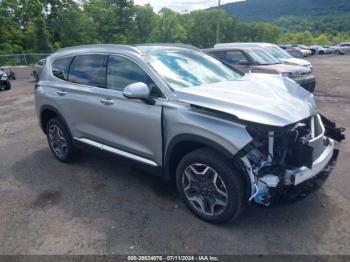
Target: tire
x,y
8,85
60,141
36,76
199,195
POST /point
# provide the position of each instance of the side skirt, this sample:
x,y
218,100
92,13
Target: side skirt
x,y
116,151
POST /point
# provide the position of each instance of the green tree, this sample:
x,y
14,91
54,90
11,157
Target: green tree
x,y
145,21
112,19
169,28
43,44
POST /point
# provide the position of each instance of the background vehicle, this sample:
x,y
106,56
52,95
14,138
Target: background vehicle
x,y
191,118
293,51
5,83
328,50
320,49
38,68
305,50
274,50
341,49
257,60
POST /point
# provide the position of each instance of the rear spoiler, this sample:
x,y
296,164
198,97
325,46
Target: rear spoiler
x,y
332,131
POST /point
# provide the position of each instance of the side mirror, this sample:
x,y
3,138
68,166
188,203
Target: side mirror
x,y
140,91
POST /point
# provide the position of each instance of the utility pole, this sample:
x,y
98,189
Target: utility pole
x,y
218,25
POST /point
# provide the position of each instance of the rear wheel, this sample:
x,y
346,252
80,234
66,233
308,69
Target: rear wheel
x,y
59,140
210,186
338,52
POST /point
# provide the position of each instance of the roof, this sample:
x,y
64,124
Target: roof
x,y
227,48
251,44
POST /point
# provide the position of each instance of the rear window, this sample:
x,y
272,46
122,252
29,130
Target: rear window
x,y
60,67
88,70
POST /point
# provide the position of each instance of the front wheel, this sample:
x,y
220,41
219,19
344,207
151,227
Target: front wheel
x,y
8,85
36,77
210,186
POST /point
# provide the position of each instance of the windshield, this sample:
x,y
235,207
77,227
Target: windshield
x,y
278,52
261,57
189,68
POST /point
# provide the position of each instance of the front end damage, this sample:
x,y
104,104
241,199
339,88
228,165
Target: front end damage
x,y
286,164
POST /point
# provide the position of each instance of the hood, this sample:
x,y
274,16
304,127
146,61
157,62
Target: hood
x,y
282,68
296,61
260,98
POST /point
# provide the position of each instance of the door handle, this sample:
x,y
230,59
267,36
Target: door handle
x,y
107,101
61,92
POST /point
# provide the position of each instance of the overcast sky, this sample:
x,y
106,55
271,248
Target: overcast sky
x,y
182,5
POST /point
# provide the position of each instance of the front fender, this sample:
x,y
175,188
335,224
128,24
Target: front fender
x,y
181,123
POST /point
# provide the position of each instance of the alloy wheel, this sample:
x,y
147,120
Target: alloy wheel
x,y
57,141
205,189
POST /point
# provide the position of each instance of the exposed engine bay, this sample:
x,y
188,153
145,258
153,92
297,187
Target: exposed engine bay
x,y
290,162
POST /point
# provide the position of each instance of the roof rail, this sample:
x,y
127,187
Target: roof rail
x,y
125,47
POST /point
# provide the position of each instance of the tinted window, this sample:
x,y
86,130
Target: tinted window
x,y
88,70
122,72
60,67
234,57
230,57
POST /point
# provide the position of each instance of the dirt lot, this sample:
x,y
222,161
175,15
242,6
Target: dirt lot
x,y
102,205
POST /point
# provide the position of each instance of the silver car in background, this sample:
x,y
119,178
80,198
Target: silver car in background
x,y
274,50
341,49
258,60
38,68
225,139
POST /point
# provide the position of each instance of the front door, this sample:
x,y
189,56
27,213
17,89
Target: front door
x,y
127,124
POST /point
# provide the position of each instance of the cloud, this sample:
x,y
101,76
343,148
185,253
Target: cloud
x,y
182,5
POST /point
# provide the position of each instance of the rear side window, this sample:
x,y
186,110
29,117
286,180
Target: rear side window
x,y
60,67
88,70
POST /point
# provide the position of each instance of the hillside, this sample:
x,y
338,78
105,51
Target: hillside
x,y
269,10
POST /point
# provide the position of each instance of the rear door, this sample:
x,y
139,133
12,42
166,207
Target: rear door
x,y
78,97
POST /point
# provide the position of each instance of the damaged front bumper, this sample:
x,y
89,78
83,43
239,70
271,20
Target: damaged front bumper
x,y
302,174
289,165
287,194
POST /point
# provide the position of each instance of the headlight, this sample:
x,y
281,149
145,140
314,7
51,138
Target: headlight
x,y
4,77
285,74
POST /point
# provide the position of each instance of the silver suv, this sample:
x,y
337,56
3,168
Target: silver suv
x,y
226,139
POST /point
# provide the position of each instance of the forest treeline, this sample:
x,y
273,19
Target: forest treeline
x,y
46,25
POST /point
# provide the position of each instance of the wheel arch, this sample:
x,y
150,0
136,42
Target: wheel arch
x,y
184,144
46,113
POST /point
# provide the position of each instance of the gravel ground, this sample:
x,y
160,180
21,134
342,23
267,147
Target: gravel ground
x,y
103,205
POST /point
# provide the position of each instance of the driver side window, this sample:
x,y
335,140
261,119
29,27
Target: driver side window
x,y
122,72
